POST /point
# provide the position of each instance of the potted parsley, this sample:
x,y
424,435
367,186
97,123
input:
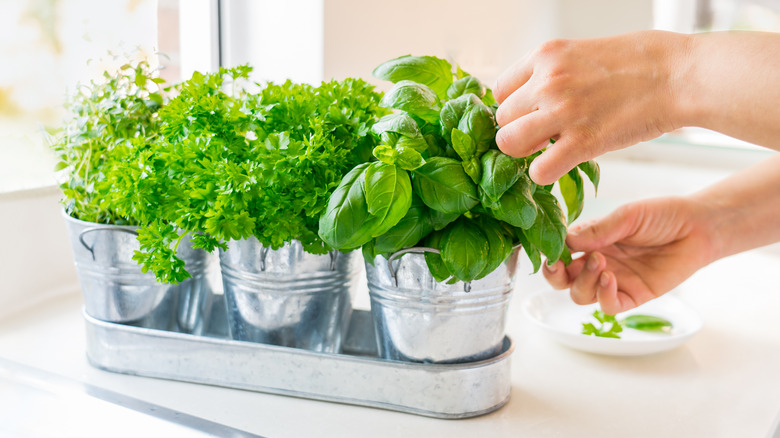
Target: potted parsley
x,y
249,173
441,213
110,120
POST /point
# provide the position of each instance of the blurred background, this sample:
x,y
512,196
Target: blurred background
x,y
48,47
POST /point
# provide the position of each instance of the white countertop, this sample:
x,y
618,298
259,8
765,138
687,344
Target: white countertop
x,y
722,383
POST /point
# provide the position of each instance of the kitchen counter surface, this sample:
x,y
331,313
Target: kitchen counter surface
x,y
722,383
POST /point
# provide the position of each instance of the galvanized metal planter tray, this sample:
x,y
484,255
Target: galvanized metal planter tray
x,y
357,376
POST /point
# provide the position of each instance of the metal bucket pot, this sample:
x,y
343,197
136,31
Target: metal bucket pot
x,y
418,319
115,289
287,296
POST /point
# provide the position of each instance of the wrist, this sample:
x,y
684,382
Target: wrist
x,y
717,221
680,76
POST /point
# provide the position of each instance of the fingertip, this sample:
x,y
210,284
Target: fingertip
x,y
539,173
556,275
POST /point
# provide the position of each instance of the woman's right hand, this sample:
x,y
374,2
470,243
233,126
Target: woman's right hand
x,y
637,253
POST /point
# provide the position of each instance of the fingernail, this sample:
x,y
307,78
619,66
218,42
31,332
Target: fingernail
x,y
593,262
603,279
553,268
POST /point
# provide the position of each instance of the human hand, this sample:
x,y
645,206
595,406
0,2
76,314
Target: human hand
x,y
637,253
592,96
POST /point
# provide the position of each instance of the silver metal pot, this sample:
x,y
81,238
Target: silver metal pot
x,y
287,296
418,319
115,289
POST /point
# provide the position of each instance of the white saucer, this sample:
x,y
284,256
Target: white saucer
x,y
561,319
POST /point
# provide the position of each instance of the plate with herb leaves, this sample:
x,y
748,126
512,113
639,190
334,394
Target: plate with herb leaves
x,y
658,325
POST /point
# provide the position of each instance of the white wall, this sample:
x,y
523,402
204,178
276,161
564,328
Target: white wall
x,y
483,37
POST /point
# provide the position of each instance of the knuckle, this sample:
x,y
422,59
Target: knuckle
x,y
551,47
580,296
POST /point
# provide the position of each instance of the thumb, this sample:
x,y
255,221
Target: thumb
x,y
599,233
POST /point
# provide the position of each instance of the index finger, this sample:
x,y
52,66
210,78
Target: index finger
x,y
513,78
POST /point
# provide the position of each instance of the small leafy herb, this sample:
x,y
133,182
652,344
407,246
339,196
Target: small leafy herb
x,y
610,327
111,120
467,199
230,164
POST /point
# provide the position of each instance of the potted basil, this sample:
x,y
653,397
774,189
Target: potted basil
x,y
110,121
250,173
440,216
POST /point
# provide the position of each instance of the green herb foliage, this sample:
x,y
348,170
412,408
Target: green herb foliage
x,y
232,164
611,327
467,199
608,326
111,120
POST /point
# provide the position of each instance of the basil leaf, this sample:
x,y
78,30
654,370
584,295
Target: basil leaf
x,y
480,124
464,249
464,85
443,185
416,99
369,251
499,245
453,111
531,251
517,205
440,220
388,195
573,193
463,144
434,72
415,225
473,169
548,232
499,173
436,143
592,171
343,224
403,157
648,323
399,129
399,122
488,99
434,261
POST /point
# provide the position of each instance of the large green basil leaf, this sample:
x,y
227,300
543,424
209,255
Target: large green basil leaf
x,y
434,260
453,111
592,171
531,251
415,225
416,99
548,233
573,193
499,244
464,85
517,206
443,185
499,173
464,249
434,72
343,224
388,195
480,124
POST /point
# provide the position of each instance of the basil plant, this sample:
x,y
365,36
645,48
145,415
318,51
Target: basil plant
x,y
438,180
